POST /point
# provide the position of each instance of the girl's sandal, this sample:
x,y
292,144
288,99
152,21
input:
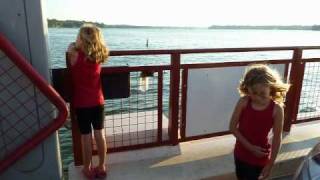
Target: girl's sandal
x,y
88,174
99,173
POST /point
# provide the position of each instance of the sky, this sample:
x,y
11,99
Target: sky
x,y
197,13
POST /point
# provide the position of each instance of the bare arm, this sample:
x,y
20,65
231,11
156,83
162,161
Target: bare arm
x,y
233,127
72,54
277,132
276,141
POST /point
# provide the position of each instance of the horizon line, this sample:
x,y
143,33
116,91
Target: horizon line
x,y
223,25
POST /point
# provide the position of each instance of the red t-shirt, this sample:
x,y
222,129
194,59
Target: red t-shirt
x,y
87,91
255,126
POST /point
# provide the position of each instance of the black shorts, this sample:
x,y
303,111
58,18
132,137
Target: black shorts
x,y
245,171
90,116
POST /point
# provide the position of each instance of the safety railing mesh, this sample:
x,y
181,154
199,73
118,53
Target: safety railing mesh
x,y
134,120
309,106
24,110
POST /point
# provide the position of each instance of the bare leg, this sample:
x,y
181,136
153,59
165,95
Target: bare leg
x,y
102,148
86,140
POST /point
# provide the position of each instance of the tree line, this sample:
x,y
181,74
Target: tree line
x,y
297,27
54,23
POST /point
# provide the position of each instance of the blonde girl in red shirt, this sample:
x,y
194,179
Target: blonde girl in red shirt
x,y
259,110
85,57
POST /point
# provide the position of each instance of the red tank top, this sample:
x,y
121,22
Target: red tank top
x,y
87,91
255,126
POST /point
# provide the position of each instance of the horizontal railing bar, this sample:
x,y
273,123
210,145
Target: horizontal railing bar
x,y
236,63
106,70
118,69
214,50
305,120
221,133
136,146
311,59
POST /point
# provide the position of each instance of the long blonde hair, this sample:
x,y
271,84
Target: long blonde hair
x,y
263,74
92,43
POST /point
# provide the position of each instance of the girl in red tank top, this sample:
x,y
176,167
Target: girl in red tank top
x,y
259,110
84,59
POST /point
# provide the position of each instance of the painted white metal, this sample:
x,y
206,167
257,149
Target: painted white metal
x,y
24,24
211,96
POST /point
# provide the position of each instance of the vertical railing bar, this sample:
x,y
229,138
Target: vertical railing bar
x,y
174,97
160,96
129,107
286,71
293,96
184,103
153,106
76,136
113,122
121,121
145,106
137,109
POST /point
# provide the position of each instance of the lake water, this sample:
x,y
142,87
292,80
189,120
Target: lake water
x,y
136,39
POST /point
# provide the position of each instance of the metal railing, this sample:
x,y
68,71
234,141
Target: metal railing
x,y
30,109
127,127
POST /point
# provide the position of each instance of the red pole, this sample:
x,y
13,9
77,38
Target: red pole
x,y
293,96
174,98
76,136
184,103
160,108
76,139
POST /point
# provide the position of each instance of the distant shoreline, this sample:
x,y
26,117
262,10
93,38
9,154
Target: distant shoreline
x,y
53,23
294,27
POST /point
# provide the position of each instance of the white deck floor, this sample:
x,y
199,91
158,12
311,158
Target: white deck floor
x,y
202,159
